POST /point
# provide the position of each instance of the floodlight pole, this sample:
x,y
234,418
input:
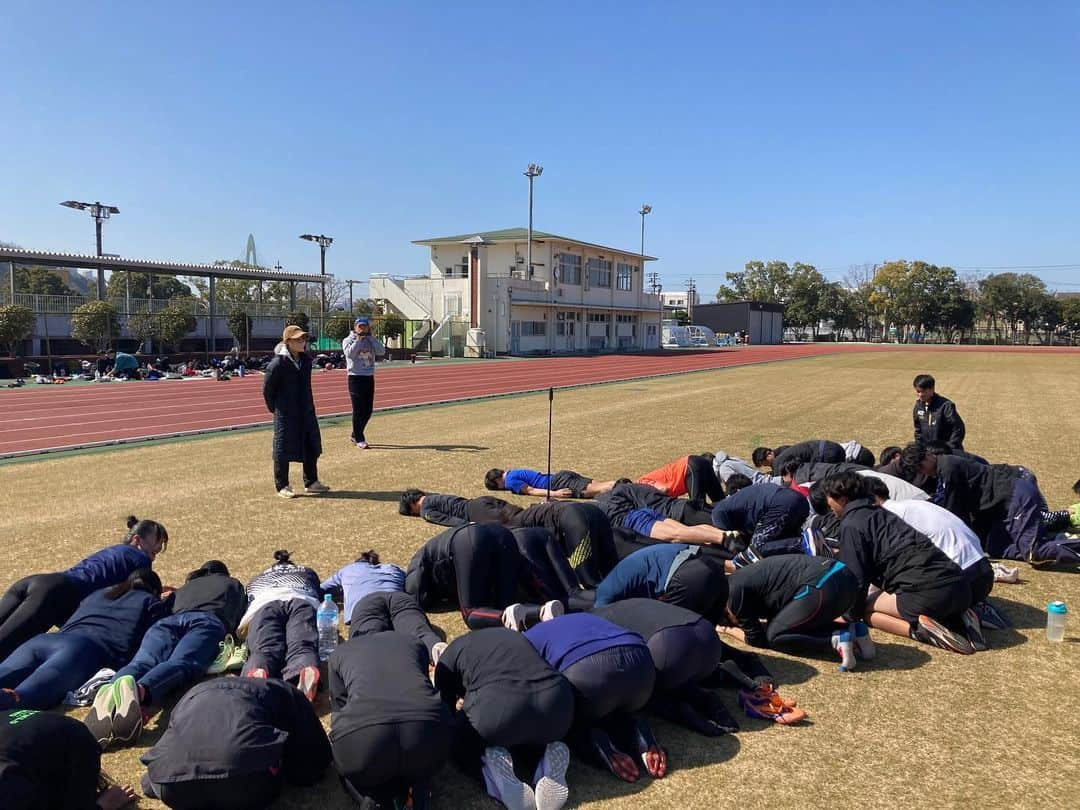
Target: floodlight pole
x,y
100,212
323,241
533,171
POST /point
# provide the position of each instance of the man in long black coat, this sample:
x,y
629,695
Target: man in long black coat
x,y
287,391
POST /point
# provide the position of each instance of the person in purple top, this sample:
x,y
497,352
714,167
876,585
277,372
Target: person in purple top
x,y
39,602
362,578
560,484
612,675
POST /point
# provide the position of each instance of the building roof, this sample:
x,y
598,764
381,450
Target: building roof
x,y
520,235
114,263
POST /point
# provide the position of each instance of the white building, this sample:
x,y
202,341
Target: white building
x,y
576,297
679,299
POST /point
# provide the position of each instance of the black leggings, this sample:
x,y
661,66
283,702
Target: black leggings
x,y
283,639
383,761
807,621
486,572
249,791
618,679
585,534
34,605
689,513
382,611
362,394
545,572
980,577
701,482
685,654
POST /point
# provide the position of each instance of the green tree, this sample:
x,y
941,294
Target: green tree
x,y
16,324
803,297
174,323
96,324
239,323
1014,299
758,281
165,288
338,326
839,305
40,281
681,317
142,326
389,327
1070,313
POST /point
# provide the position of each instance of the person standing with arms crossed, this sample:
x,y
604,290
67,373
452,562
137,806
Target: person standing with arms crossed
x,y
287,392
361,349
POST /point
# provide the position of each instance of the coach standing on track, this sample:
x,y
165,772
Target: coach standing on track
x,y
287,391
360,350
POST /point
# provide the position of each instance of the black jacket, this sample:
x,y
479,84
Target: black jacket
x,y
976,493
287,392
218,594
883,550
453,510
623,499
238,726
381,678
646,617
812,472
814,451
938,421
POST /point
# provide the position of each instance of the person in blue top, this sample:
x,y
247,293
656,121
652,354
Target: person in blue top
x,y
359,579
672,572
39,602
771,515
561,484
104,632
612,676
360,350
124,366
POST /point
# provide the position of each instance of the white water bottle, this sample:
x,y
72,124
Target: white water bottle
x,y
327,618
1056,613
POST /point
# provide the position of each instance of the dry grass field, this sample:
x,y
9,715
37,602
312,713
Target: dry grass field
x,y
915,728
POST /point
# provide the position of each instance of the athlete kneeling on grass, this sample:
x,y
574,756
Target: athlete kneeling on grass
x,y
390,731
104,632
672,572
612,675
770,515
175,652
511,712
280,624
791,603
52,761
232,742
923,594
583,532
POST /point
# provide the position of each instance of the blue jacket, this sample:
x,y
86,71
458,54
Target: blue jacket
x,y
745,509
564,641
357,580
116,625
110,566
644,573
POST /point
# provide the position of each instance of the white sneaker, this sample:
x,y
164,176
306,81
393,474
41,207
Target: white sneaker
x,y
502,783
1005,573
551,788
286,492
550,610
316,488
513,617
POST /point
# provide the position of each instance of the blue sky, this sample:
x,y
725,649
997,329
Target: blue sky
x,y
835,134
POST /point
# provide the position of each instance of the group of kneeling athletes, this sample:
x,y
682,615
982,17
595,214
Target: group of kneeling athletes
x,y
584,615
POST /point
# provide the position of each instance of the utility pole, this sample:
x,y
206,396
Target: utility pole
x,y
691,291
654,283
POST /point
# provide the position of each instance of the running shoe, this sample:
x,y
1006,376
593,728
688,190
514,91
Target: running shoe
x,y
617,762
100,718
316,488
513,617
286,492
259,672
864,645
226,647
973,630
1005,573
550,777
551,610
745,557
238,658
308,682
933,632
990,616
127,719
769,706
843,641
502,783
361,445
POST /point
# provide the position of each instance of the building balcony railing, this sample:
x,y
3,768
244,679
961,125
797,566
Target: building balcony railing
x,y
66,304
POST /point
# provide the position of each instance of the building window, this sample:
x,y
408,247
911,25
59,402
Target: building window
x,y
533,328
624,279
458,270
568,268
626,318
599,317
599,272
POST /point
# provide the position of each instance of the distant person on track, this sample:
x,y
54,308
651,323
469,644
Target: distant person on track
x,y
361,349
935,416
561,484
287,391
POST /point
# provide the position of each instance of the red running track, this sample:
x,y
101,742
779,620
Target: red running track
x,y
56,418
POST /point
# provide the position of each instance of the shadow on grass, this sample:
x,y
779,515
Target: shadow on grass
x,y
442,448
354,495
788,671
1021,614
896,656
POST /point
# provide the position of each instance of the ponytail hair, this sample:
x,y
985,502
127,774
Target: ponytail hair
x,y
370,557
281,557
148,530
141,579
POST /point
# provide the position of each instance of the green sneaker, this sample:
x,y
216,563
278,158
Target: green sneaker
x,y
1074,515
100,719
237,659
127,715
225,652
